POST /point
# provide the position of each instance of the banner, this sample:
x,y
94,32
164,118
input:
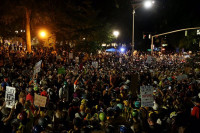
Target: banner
x,y
37,67
39,100
61,70
10,96
146,93
70,55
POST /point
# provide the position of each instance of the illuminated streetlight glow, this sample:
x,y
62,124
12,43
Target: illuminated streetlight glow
x,y
116,33
43,34
148,4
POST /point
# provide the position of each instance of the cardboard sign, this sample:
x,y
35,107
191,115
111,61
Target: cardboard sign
x,y
77,59
39,100
10,96
146,96
95,64
37,67
70,55
61,70
182,77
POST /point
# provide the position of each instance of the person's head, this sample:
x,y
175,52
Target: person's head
x,y
152,119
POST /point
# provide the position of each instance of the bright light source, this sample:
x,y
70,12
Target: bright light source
x,y
122,50
116,33
84,38
42,33
148,3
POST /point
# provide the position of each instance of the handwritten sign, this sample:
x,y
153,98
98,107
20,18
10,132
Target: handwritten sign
x,y
95,64
146,96
77,59
39,100
10,96
37,67
70,55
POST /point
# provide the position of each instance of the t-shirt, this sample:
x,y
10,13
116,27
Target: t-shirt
x,y
43,93
195,112
29,97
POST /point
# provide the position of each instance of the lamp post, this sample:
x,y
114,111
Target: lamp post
x,y
136,4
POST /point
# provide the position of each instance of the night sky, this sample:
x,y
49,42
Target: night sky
x,y
166,15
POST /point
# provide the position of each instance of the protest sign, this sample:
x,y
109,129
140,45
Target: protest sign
x,y
39,100
120,60
77,59
146,93
149,59
37,67
10,96
61,70
182,77
95,64
70,55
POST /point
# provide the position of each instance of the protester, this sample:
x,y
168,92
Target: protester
x,y
98,93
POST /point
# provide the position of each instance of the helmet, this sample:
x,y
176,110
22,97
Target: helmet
x,y
110,129
102,116
22,116
123,129
42,122
110,111
37,129
170,78
173,114
35,88
137,104
120,106
126,103
83,101
134,113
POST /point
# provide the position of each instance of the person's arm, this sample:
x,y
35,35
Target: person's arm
x,y
10,115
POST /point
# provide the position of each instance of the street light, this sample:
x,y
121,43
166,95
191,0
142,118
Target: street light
x,y
148,3
136,4
42,34
116,33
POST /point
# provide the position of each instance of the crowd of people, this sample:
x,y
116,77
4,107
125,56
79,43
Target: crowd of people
x,y
100,98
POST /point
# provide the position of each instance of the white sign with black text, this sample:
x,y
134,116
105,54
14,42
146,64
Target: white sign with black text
x,y
146,93
10,96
